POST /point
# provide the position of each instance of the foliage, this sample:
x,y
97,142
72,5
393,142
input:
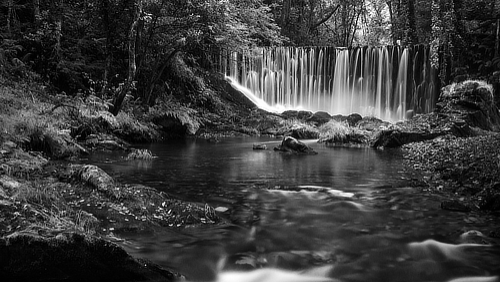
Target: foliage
x,y
376,25
135,130
140,154
465,165
187,117
340,132
45,200
115,48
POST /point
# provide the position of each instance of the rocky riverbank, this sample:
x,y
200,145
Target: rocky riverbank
x,y
50,204
463,159
453,150
58,219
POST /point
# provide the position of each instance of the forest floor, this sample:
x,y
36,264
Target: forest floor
x,y
467,169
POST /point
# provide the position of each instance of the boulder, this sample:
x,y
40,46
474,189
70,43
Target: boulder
x,y
56,145
72,257
339,118
371,123
301,115
319,118
471,101
292,145
353,119
289,114
302,131
454,205
392,138
178,123
491,199
304,115
473,237
259,146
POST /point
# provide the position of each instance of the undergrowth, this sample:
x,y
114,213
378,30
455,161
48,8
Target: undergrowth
x,y
140,154
340,132
52,211
170,108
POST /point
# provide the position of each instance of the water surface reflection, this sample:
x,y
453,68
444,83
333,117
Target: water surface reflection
x,y
351,209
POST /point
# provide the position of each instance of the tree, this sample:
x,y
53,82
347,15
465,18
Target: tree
x,y
134,36
301,21
375,28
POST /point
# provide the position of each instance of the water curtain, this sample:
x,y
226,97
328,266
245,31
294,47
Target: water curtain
x,y
389,82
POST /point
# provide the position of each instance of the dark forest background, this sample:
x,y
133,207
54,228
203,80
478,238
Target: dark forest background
x,y
112,48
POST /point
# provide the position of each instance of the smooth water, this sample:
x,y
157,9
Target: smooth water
x,y
348,208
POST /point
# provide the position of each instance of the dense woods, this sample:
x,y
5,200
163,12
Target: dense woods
x,y
117,47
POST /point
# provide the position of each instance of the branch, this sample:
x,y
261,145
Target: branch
x,y
326,17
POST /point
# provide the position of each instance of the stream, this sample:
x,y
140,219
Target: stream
x,y
345,213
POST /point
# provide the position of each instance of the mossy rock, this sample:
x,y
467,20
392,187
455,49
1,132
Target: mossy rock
x,y
72,257
319,118
471,101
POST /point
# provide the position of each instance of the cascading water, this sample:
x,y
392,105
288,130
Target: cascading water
x,y
387,82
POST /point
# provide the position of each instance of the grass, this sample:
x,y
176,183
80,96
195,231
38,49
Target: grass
x,y
38,194
27,115
23,108
340,132
294,124
51,211
140,154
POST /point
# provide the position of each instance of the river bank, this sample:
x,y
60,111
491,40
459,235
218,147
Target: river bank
x,y
50,201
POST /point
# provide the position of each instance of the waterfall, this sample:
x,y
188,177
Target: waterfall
x,y
385,82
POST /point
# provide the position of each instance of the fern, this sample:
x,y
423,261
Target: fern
x,y
186,116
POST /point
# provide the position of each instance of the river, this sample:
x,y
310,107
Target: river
x,y
345,213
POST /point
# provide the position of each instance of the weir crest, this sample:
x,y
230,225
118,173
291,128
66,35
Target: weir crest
x,y
388,82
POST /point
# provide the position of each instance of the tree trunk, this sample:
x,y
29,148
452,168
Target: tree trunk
x,y
312,13
132,67
56,15
496,12
392,18
10,11
344,28
157,76
458,24
105,9
285,15
497,43
58,35
355,27
36,13
411,26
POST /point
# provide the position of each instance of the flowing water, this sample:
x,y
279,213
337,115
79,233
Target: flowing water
x,y
387,82
350,210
